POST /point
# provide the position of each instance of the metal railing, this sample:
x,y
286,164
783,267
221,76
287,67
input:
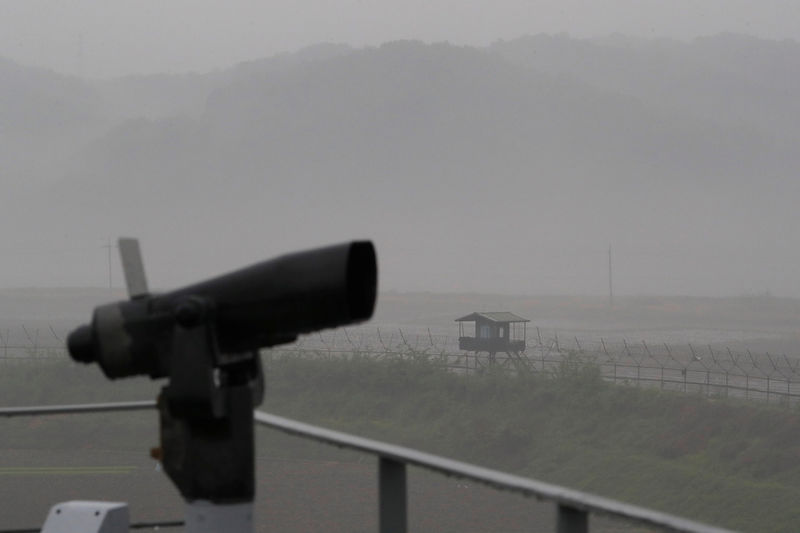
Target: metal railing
x,y
574,507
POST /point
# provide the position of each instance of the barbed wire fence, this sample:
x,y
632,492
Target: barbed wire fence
x,y
712,370
28,344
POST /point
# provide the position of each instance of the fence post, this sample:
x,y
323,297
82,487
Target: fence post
x,y
541,346
571,520
542,358
30,339
392,506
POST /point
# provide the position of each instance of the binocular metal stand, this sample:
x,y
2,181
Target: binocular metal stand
x,y
206,427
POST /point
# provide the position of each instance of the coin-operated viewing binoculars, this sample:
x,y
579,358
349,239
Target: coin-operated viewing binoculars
x,y
204,339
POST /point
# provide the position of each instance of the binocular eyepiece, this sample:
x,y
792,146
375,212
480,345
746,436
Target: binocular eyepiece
x,y
263,305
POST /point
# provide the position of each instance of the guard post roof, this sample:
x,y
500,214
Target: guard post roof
x,y
497,316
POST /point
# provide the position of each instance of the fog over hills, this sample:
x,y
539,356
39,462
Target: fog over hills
x,y
733,79
506,169
44,118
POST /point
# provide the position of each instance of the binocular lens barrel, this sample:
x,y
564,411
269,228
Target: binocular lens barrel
x,y
263,305
283,297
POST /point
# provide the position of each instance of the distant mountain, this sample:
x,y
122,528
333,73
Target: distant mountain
x,y
43,117
406,117
495,164
37,101
168,95
48,119
731,79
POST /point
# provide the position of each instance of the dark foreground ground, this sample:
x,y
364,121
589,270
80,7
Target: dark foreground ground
x,y
328,491
302,486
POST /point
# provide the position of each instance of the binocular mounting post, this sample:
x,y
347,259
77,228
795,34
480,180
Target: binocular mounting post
x,y
206,423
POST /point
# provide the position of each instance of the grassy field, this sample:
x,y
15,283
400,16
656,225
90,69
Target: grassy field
x,y
732,464
728,463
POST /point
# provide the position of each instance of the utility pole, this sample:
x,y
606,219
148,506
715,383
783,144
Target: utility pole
x,y
610,280
81,71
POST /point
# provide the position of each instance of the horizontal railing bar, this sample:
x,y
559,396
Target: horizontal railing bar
x,y
77,408
496,479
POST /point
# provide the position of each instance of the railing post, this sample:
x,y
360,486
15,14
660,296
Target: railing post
x,y
392,515
571,520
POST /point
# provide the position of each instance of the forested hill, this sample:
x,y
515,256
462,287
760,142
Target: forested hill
x,y
408,115
733,79
45,118
564,140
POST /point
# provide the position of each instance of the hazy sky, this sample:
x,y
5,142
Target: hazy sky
x,y
101,38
